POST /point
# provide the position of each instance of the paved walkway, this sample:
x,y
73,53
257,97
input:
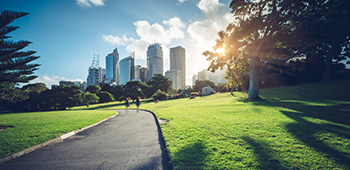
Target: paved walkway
x,y
129,141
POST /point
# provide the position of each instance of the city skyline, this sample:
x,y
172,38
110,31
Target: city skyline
x,y
67,34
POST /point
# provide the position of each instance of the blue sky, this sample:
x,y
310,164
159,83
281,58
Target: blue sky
x,y
67,33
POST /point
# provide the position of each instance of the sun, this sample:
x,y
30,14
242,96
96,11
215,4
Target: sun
x,y
220,50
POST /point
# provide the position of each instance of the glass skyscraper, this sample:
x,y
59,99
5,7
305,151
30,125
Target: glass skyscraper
x,y
127,70
112,67
154,60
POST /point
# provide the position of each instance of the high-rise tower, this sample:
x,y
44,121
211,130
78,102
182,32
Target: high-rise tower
x,y
178,62
112,67
127,70
154,60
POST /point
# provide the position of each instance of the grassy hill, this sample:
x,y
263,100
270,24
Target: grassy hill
x,y
297,127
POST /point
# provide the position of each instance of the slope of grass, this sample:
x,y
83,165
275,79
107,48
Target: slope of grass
x,y
297,127
34,128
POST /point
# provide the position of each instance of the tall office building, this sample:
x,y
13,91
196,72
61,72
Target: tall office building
x,y
127,70
112,67
178,62
154,60
109,68
137,72
94,76
174,76
143,74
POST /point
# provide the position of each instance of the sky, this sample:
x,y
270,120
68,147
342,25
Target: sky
x,y
68,33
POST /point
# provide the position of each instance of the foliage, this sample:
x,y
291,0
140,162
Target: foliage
x,y
106,87
160,82
266,35
159,95
199,84
93,88
133,89
105,97
117,92
89,98
15,65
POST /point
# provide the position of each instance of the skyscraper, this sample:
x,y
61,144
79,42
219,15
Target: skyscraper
x,y
94,76
137,72
174,76
178,62
143,74
127,70
154,60
112,67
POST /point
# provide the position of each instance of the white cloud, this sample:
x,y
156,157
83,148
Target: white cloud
x,y
51,80
201,35
148,34
89,3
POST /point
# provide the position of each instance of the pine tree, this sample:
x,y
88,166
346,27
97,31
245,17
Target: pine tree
x,y
15,65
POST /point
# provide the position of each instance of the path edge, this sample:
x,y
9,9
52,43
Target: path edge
x,y
52,141
163,142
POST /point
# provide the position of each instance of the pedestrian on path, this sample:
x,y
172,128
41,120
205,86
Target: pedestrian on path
x,y
138,102
127,104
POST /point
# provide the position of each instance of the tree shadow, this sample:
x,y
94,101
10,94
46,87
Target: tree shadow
x,y
265,156
305,132
191,156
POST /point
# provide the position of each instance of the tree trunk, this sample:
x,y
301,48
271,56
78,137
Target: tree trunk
x,y
328,66
254,79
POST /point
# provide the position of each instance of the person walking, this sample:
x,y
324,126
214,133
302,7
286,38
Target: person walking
x,y
138,102
127,104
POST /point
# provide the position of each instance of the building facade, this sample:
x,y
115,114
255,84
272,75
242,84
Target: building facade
x,y
127,69
109,69
178,62
175,77
154,60
143,74
94,76
137,72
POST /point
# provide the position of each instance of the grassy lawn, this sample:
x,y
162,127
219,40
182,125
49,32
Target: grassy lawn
x,y
297,127
34,128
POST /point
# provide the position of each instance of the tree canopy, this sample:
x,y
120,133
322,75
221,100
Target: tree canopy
x,y
15,65
267,34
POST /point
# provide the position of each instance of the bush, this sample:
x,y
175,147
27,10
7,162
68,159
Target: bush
x,y
90,98
159,95
105,97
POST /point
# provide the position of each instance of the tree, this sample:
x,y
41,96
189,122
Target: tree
x,y
161,82
89,98
117,92
15,65
105,97
199,84
133,89
159,95
267,30
93,88
106,87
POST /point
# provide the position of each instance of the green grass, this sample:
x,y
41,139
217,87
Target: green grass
x,y
297,127
34,128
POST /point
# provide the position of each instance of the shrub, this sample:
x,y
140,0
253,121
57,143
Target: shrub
x,y
159,95
105,97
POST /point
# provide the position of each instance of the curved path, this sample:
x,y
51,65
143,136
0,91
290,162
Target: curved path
x,y
132,140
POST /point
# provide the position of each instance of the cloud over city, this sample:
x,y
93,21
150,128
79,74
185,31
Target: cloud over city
x,y
89,3
195,35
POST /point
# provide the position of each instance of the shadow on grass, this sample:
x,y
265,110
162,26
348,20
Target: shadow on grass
x,y
307,131
265,156
192,156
